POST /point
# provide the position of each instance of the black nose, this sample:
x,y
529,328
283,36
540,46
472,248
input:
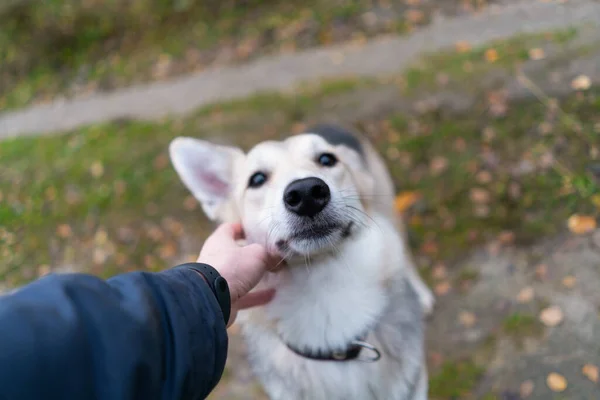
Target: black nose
x,y
306,197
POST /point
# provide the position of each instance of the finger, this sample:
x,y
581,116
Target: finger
x,y
254,299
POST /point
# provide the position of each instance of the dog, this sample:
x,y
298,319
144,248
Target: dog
x,y
347,320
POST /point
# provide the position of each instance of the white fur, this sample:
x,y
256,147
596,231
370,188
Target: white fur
x,y
334,288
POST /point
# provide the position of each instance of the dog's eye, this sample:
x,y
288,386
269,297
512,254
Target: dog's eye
x,y
257,180
327,160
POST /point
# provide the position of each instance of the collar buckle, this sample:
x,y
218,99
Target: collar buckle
x,y
376,355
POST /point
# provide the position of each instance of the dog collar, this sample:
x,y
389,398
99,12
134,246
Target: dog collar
x,y
351,352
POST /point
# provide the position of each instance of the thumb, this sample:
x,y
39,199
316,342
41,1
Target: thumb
x,y
253,263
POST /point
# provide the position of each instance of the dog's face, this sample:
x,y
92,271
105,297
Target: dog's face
x,y
300,196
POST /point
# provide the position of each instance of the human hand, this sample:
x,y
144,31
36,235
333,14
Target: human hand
x,y
241,266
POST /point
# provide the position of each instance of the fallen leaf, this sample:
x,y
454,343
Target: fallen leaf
x,y
569,281
190,203
541,271
161,161
484,177
525,295
405,200
43,270
536,54
64,231
526,389
479,195
462,46
467,319
582,82
414,16
551,316
429,247
97,169
438,165
167,251
581,224
491,55
442,288
556,382
439,271
591,372
506,237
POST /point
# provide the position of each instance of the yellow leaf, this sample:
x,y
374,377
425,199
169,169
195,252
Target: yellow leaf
x,y
525,295
591,372
405,200
582,82
569,281
467,319
462,46
581,224
551,316
556,382
596,200
491,55
536,54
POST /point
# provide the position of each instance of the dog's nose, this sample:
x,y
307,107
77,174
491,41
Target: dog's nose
x,y
306,197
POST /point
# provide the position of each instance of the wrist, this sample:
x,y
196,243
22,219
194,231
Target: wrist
x,y
217,284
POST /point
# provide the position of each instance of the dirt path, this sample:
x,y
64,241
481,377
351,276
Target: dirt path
x,y
284,72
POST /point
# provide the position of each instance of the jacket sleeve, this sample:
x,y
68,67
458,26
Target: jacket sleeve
x,y
136,336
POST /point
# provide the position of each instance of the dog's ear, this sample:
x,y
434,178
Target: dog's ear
x,y
206,169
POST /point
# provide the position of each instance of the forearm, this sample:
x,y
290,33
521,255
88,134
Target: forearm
x,y
136,336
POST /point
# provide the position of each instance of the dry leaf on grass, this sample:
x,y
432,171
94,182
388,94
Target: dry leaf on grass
x,y
467,319
439,271
491,55
569,281
582,82
479,195
556,382
581,224
536,54
551,316
405,200
442,288
525,295
526,389
591,372
64,231
97,169
190,203
462,46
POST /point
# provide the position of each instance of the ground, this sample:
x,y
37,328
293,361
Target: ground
x,y
493,151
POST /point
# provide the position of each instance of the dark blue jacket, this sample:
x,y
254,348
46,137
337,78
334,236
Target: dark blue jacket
x,y
136,336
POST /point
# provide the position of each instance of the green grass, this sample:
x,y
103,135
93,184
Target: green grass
x,y
122,218
454,380
520,325
462,66
54,47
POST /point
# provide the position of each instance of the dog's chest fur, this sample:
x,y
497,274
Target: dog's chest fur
x,y
330,302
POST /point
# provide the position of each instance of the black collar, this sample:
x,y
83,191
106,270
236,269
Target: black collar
x,y
351,352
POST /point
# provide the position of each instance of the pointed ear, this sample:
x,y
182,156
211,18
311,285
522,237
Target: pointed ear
x,y
206,169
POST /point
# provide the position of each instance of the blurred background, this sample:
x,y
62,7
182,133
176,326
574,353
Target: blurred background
x,y
487,113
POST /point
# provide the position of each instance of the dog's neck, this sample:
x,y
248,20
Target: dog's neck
x,y
330,300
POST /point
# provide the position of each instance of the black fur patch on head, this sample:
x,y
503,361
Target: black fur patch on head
x,y
335,135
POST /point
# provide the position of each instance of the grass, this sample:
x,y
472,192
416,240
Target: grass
x,y
106,197
519,325
464,63
455,380
50,48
